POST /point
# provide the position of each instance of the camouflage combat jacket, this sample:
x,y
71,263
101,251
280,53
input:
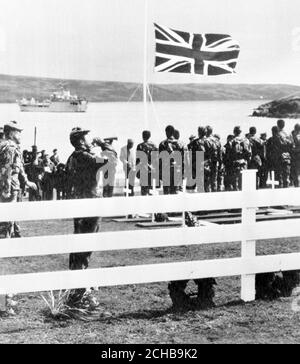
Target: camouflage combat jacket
x,y
12,173
170,146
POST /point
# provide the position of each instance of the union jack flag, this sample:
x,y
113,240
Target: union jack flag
x,y
203,54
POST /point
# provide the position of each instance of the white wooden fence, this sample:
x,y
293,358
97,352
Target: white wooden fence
x,y
247,233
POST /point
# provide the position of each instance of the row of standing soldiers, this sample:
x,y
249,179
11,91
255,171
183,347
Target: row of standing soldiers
x,y
223,164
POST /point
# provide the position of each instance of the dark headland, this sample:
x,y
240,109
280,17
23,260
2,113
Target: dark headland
x,y
286,107
16,87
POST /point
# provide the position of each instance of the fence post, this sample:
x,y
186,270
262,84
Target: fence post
x,y
248,246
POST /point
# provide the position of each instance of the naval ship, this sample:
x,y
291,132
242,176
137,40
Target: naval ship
x,y
61,101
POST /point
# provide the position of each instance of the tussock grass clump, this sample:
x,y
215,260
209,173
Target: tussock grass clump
x,y
59,308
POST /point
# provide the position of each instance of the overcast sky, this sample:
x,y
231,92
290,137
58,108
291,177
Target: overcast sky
x,y
104,39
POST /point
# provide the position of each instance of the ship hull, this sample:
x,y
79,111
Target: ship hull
x,y
58,107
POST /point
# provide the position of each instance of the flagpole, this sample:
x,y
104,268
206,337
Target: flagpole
x,y
145,80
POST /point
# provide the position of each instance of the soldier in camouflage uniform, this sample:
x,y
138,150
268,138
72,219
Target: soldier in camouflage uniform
x,y
83,166
256,153
12,172
273,151
228,165
214,157
171,145
285,157
240,154
221,167
147,147
279,148
185,160
200,145
263,174
12,175
296,155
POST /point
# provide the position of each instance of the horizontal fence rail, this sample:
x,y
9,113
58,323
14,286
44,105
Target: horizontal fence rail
x,y
120,206
248,232
141,239
151,273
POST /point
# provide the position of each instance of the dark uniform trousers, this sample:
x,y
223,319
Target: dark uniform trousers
x,y
145,190
238,168
83,226
213,177
88,225
172,188
282,175
78,261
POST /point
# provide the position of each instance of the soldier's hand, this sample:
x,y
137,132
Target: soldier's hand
x,y
32,186
101,160
98,141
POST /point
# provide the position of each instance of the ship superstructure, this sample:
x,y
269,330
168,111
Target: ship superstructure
x,y
60,101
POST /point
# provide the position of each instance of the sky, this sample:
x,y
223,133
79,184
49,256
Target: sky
x,y
104,39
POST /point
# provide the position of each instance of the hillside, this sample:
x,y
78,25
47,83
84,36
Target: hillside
x,y
15,87
286,107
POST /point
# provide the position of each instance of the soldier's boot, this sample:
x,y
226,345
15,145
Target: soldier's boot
x,y
267,286
206,293
7,305
75,297
9,230
81,298
178,296
11,304
289,281
89,301
17,230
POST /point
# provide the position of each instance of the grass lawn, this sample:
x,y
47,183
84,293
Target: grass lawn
x,y
142,313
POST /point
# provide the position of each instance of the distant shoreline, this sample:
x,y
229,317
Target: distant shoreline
x,y
13,88
140,101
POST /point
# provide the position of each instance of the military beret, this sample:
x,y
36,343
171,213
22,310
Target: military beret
x,y
12,125
78,131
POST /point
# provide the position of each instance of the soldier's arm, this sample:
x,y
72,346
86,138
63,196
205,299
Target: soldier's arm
x,y
22,174
92,159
